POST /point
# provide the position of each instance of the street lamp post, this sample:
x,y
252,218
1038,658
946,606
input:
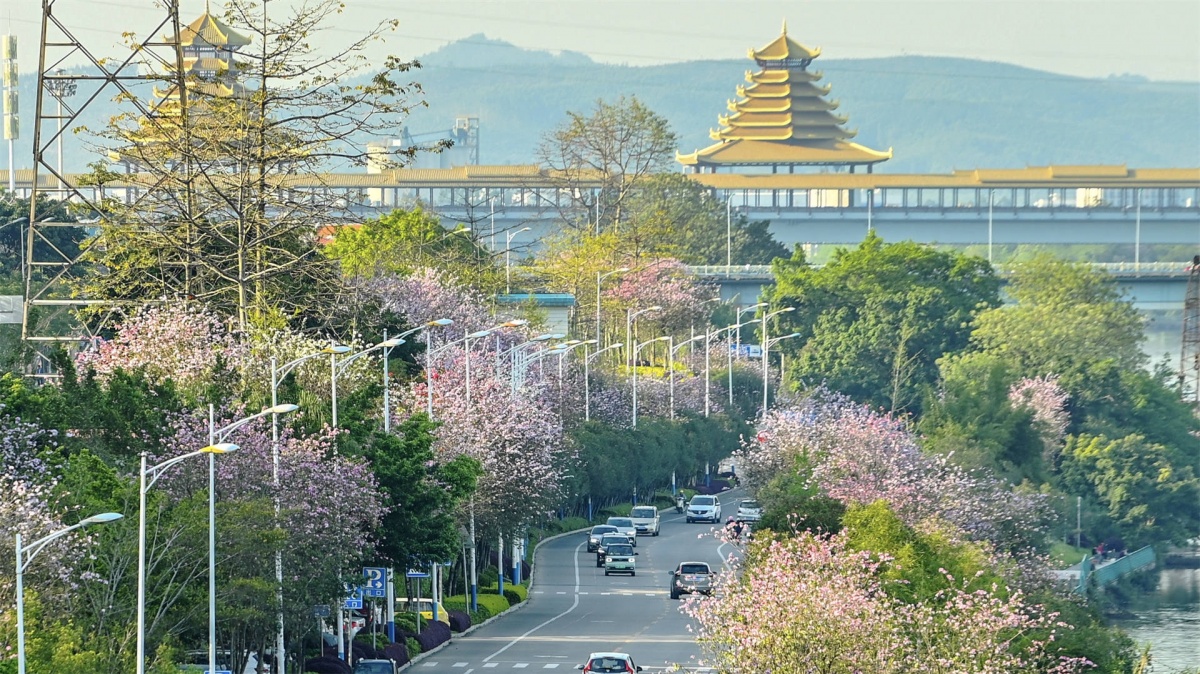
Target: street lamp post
x,y
635,350
671,364
144,485
587,399
630,317
773,342
25,555
216,436
600,277
60,87
738,342
507,257
766,346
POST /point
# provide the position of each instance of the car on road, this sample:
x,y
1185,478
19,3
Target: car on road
x,y
749,510
704,509
596,534
645,520
606,542
625,526
620,559
609,663
691,577
375,667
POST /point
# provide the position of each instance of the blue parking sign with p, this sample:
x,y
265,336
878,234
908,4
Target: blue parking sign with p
x,y
376,581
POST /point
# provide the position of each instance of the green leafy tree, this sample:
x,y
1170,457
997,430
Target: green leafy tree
x,y
403,241
1147,496
1067,318
874,321
422,494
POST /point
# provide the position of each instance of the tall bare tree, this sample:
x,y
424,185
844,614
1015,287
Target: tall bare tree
x,y
222,217
599,159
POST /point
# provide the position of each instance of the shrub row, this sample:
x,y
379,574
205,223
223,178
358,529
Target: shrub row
x,y
435,634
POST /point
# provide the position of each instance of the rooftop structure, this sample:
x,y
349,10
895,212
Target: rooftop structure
x,y
208,46
782,119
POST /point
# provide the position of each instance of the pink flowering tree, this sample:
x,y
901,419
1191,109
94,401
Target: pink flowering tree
x,y
1046,399
430,294
515,434
186,343
856,455
666,283
812,603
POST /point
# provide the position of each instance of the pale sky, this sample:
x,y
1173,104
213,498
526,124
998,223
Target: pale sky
x,y
1157,39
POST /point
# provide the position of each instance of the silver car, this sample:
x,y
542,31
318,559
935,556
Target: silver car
x,y
625,526
749,510
704,509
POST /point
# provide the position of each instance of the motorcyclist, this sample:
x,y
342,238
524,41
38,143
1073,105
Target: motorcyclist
x,y
679,503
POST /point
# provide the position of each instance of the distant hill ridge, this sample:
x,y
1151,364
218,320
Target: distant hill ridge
x,y
937,113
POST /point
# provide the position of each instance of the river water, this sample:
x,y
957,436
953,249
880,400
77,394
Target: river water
x,y
1169,620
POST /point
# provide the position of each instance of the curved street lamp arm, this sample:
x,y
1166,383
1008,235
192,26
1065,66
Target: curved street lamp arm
x,y
156,471
29,551
607,348
385,345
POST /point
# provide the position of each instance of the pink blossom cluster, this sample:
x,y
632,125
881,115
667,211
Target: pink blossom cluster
x,y
857,455
26,508
515,434
22,445
803,603
313,375
1047,400
664,283
328,502
429,294
186,343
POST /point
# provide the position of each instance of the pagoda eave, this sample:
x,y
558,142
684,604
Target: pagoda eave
x,y
784,153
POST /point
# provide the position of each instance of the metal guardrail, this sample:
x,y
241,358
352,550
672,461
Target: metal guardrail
x,y
1118,269
1108,573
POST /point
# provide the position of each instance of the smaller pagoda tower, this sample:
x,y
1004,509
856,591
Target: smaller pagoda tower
x,y
781,120
209,47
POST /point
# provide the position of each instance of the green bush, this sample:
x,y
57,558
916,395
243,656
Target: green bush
x,y
572,523
459,602
488,577
515,594
414,648
406,622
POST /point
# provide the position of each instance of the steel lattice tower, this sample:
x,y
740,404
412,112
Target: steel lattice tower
x,y
151,55
1189,358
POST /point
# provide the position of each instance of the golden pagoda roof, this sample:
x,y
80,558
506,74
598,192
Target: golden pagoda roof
x,y
208,30
752,152
784,48
782,117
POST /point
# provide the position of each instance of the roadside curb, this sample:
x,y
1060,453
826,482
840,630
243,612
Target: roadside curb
x,y
532,574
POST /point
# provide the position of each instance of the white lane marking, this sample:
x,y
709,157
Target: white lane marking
x,y
520,665
561,592
461,664
552,665
489,665
574,604
430,664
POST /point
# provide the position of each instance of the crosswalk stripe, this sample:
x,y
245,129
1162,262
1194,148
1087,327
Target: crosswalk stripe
x,y
460,664
520,665
489,665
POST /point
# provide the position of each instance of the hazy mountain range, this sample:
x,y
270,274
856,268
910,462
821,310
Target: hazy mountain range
x,y
938,114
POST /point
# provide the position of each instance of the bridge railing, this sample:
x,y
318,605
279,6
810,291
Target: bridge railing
x,y
1118,269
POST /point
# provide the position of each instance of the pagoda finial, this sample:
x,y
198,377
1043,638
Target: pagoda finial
x,y
784,25
206,10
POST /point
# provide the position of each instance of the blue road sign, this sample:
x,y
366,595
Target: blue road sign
x,y
412,573
376,585
354,598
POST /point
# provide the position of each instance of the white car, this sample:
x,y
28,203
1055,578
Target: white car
x,y
704,509
609,662
624,526
749,510
645,520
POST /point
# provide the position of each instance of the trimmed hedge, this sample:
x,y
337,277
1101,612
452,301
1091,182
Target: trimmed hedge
x,y
516,593
459,620
489,602
435,634
412,646
397,652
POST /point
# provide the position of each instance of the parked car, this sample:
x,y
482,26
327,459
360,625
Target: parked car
x,y
375,667
691,577
596,534
625,526
424,607
620,559
606,542
609,663
645,520
749,510
704,509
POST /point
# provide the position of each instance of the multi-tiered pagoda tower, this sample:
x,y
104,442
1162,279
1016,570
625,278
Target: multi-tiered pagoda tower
x,y
208,47
782,120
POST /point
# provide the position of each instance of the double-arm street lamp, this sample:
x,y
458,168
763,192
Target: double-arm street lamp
x,y
515,352
216,436
750,309
637,348
600,277
466,341
773,342
25,555
766,347
148,476
587,387
630,317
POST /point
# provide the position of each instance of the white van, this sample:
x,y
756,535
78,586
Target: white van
x,y
645,520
